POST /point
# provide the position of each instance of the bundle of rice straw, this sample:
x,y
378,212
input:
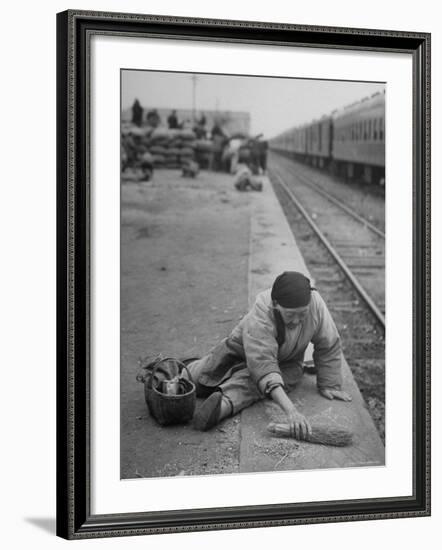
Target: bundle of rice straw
x,y
321,434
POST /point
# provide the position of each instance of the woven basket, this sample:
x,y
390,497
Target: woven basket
x,y
170,409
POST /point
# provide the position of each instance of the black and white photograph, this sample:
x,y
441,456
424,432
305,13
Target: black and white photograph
x,y
221,262
252,274
243,275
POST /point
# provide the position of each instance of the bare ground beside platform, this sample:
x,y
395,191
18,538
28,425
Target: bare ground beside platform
x,y
367,200
184,266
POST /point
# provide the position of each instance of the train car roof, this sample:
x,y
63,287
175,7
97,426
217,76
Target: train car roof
x,y
324,118
378,98
365,104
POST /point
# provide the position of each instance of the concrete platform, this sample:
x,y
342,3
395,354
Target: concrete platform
x,y
273,249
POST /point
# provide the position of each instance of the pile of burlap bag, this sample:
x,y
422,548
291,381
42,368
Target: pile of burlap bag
x,y
172,148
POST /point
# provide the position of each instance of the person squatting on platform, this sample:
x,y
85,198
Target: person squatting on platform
x,y
264,354
245,180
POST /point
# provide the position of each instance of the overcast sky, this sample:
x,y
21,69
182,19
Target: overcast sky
x,y
274,104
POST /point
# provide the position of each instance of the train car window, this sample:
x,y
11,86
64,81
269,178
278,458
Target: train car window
x,y
375,129
381,128
369,130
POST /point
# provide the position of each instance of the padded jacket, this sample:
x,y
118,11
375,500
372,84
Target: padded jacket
x,y
253,344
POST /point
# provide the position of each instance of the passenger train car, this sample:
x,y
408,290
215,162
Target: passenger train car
x,y
350,142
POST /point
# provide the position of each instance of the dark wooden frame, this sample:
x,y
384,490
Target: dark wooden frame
x,y
74,29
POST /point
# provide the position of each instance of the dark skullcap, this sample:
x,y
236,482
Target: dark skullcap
x,y
291,289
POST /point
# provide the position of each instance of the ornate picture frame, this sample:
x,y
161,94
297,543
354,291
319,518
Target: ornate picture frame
x,y
75,29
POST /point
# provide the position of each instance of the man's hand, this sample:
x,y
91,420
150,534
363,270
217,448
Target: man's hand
x,y
299,425
334,394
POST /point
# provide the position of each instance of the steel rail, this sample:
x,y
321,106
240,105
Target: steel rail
x,y
348,273
316,187
305,181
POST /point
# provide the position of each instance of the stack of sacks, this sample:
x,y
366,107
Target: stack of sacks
x,y
172,148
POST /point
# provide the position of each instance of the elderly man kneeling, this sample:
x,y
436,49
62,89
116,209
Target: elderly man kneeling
x,y
264,355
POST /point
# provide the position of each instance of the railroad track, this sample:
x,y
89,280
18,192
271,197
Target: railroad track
x,y
366,197
355,244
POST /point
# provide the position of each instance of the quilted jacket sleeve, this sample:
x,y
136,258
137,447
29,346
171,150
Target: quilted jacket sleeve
x,y
327,353
261,349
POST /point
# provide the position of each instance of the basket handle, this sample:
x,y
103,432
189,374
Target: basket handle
x,y
148,373
181,367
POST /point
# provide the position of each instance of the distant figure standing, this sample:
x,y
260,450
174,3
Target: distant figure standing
x,y
200,127
263,150
219,139
258,155
172,120
137,113
231,154
217,131
153,118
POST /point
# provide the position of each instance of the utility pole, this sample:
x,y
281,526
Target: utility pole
x,y
194,79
